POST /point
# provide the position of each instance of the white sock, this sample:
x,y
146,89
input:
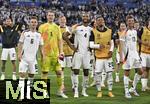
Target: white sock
x,y
29,85
72,75
85,83
92,73
109,81
144,82
76,82
103,77
126,83
98,81
28,89
136,80
21,85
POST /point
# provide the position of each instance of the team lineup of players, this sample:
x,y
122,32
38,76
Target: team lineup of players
x,y
62,47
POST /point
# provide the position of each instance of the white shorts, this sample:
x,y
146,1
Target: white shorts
x,y
67,62
25,66
105,65
81,60
8,51
133,61
145,60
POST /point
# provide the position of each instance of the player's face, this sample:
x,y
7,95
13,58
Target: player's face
x,y
33,23
122,26
100,22
62,21
8,22
50,16
85,18
130,22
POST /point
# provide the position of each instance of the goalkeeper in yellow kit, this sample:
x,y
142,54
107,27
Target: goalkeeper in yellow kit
x,y
52,50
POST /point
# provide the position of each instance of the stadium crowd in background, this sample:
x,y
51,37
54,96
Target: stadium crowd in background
x,y
112,14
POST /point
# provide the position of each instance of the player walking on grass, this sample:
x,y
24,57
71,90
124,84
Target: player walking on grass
x,y
102,42
52,50
29,43
131,59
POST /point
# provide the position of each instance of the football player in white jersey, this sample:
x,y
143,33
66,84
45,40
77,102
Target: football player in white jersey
x,y
29,43
81,55
132,59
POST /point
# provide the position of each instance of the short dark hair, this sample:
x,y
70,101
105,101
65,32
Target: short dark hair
x,y
121,22
99,16
49,11
129,17
9,18
61,16
33,17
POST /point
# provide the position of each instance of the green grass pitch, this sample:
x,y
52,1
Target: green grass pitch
x,y
118,91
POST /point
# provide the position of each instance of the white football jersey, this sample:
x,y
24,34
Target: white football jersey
x,y
81,40
130,44
131,40
31,42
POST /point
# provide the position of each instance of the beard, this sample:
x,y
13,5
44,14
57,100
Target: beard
x,y
9,25
85,21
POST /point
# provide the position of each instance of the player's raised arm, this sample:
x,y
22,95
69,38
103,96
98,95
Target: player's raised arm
x,y
67,39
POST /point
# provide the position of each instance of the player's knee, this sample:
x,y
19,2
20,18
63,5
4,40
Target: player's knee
x,y
86,72
140,72
76,71
13,62
44,74
126,73
31,75
3,64
22,75
59,73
